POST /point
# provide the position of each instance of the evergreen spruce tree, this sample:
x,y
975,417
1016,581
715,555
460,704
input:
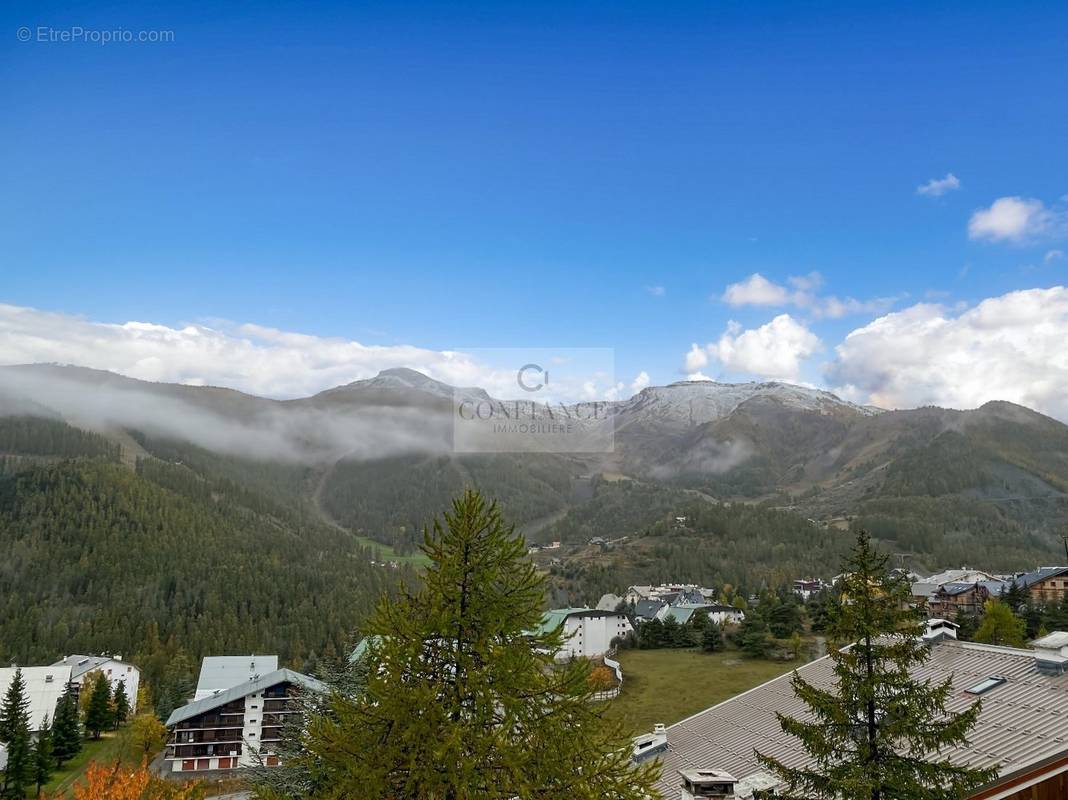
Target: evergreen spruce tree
x,y
98,714
44,763
66,732
120,705
15,735
712,638
463,699
875,735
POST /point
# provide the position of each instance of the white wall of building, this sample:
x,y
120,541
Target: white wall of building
x,y
591,635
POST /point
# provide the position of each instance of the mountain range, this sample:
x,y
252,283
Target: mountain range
x,y
368,464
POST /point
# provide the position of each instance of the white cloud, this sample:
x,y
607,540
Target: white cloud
x,y
1052,255
756,290
1009,347
656,291
696,358
251,358
936,187
774,350
1017,220
641,380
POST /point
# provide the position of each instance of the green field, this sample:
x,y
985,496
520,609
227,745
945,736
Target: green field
x,y
670,685
387,553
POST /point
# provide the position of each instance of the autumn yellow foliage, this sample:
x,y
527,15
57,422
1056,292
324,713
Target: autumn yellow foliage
x,y
118,782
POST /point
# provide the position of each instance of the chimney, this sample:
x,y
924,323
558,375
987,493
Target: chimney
x,y
703,784
1051,653
649,744
938,629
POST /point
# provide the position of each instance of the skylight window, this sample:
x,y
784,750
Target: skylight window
x,y
986,685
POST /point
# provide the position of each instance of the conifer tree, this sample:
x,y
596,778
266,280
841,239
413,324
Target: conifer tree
x,y
120,705
1000,625
66,732
712,638
44,763
875,734
98,714
463,698
15,735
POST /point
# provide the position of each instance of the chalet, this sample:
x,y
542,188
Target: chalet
x,y
646,610
725,615
1047,585
113,667
952,599
925,588
237,727
806,587
1020,728
588,633
683,613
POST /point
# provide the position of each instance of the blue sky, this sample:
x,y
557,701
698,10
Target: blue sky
x,y
516,174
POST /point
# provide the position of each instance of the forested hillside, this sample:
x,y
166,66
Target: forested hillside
x,y
100,558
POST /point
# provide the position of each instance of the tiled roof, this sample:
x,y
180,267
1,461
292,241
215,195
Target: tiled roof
x,y
1023,721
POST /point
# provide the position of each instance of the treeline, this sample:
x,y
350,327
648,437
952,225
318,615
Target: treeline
x,y
99,558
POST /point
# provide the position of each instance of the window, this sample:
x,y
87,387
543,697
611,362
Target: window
x,y
986,685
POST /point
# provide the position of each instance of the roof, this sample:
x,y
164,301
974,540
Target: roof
x,y
274,678
79,664
1052,641
960,587
1039,575
553,619
44,687
647,609
958,576
1021,723
221,672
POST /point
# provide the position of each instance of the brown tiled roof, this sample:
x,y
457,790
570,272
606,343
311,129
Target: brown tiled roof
x,y
1023,722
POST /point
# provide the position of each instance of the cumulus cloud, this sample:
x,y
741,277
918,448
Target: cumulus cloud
x,y
1017,220
1009,347
756,290
774,350
936,187
641,380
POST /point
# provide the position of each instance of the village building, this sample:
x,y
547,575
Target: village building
x,y
1020,729
1047,585
237,727
952,599
44,687
588,633
113,668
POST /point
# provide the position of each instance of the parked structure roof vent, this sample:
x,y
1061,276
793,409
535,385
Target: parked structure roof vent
x,y
1051,653
701,784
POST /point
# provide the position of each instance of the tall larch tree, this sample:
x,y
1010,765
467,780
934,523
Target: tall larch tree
x,y
463,698
875,734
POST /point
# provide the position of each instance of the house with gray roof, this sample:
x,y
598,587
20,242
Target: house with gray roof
x,y
112,667
1021,729
237,727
